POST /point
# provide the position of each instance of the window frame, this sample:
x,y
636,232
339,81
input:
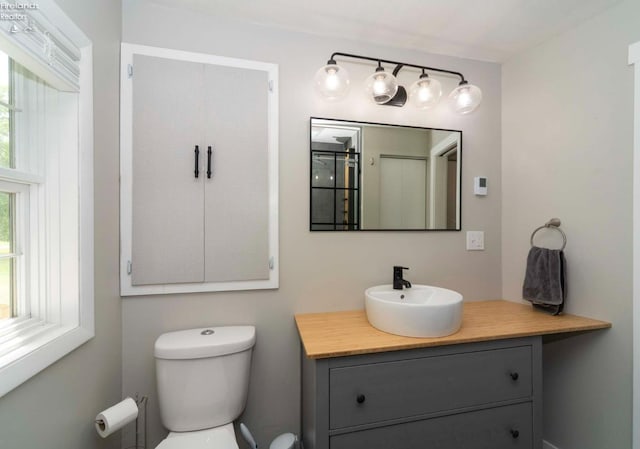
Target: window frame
x,y
64,323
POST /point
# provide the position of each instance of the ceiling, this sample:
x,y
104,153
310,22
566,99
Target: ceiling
x,y
490,30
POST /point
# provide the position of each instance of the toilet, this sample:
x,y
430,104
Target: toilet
x,y
203,381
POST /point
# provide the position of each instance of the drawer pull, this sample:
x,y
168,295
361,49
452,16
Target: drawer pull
x,y
514,433
514,375
360,398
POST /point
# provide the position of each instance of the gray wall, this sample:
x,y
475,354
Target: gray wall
x,y
55,409
567,152
319,271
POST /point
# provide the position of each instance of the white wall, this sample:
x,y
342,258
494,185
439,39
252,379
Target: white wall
x,y
55,409
567,151
319,271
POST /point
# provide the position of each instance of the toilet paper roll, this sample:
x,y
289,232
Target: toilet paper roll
x,y
116,417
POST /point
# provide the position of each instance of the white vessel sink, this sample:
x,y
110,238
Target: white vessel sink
x,y
419,311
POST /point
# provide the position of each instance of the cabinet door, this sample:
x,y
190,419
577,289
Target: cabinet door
x,y
167,214
237,193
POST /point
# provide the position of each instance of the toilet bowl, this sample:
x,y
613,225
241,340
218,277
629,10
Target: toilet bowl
x,y
222,437
203,382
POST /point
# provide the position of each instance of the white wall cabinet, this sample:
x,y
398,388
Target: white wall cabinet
x,y
199,180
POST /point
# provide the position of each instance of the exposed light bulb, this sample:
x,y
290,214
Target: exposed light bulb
x,y
424,94
464,99
332,82
379,86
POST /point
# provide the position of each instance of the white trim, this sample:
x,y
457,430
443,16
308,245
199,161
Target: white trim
x,y
38,354
634,53
442,147
85,207
13,175
126,163
634,58
446,144
128,50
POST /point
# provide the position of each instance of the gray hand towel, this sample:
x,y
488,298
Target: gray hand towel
x,y
544,278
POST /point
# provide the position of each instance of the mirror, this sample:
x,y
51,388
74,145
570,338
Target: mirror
x,y
373,177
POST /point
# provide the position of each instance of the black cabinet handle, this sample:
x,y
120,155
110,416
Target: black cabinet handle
x,y
360,398
197,153
514,433
514,375
209,162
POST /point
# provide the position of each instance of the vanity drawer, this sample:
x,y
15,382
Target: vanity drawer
x,y
376,392
507,427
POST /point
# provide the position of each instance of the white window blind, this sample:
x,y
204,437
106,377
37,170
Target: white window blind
x,y
34,39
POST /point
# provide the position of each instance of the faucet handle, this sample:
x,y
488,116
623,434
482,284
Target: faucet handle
x,y
399,268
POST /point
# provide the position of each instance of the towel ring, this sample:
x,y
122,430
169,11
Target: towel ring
x,y
554,223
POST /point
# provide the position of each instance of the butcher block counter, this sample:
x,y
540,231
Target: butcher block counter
x,y
338,334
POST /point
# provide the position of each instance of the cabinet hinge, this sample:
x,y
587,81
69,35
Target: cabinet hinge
x,y
129,267
271,85
271,263
130,70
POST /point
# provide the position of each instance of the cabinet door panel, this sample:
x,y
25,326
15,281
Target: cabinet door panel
x,y
168,219
236,195
496,428
401,389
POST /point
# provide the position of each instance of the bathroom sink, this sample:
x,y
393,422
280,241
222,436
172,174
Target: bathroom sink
x,y
419,311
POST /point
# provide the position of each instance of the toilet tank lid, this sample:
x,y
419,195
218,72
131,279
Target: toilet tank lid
x,y
204,342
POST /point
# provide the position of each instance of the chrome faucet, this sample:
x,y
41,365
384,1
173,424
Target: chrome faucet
x,y
398,282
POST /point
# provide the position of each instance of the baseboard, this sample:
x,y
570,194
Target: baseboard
x,y
547,445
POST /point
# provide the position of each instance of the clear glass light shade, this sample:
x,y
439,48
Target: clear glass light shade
x,y
332,82
425,93
465,98
381,87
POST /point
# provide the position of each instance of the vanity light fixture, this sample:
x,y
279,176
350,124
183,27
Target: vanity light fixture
x,y
332,82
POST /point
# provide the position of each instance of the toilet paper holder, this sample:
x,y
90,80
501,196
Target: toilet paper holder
x,y
141,403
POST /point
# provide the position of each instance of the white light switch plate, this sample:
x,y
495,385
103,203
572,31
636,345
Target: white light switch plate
x,y
475,240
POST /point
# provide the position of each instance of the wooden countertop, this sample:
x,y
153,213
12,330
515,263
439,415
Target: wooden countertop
x,y
337,334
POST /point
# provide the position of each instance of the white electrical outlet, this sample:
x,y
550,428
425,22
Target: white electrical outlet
x,y
475,240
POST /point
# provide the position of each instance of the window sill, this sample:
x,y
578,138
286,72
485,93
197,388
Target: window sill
x,y
38,352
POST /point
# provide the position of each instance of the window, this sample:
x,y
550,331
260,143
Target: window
x,y
14,191
46,227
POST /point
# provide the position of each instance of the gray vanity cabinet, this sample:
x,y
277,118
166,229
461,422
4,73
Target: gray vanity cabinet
x,y
199,172
470,396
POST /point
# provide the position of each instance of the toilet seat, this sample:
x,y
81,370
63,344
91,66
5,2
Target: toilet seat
x,y
222,437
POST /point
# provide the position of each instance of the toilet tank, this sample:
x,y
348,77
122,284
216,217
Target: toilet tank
x,y
203,376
